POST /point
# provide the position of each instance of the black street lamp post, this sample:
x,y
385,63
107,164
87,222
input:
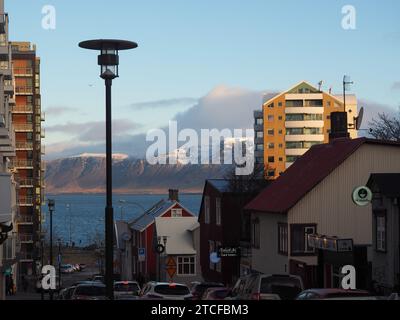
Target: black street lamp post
x,y
108,61
51,204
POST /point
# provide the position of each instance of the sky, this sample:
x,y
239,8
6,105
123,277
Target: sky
x,y
197,54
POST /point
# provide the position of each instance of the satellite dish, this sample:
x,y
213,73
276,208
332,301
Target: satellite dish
x,y
359,119
126,236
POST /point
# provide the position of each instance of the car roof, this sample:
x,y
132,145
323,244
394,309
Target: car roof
x,y
91,284
327,291
126,282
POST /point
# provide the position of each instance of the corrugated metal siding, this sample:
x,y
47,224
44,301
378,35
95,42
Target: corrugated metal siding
x,y
330,205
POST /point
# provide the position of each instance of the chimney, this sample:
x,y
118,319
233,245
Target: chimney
x,y
339,126
174,195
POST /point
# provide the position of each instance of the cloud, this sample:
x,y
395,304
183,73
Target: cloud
x,y
94,131
58,111
166,103
396,86
372,109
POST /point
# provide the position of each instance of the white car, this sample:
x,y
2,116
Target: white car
x,y
122,289
164,290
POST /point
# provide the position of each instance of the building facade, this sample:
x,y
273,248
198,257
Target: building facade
x,y
8,186
386,231
292,121
314,198
27,119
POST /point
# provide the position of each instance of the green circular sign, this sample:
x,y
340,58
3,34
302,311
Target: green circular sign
x,y
362,196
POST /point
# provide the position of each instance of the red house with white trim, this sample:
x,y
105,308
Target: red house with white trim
x,y
144,259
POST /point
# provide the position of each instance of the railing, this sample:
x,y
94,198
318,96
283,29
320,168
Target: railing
x,y
43,117
23,127
25,219
24,145
25,238
24,90
43,150
22,164
26,183
25,201
23,71
23,109
43,166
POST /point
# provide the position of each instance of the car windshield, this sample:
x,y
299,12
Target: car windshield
x,y
177,290
286,287
128,287
92,291
221,294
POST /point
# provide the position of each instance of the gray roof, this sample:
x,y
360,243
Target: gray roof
x,y
387,183
222,185
148,217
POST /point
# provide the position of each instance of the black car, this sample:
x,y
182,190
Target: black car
x,y
199,289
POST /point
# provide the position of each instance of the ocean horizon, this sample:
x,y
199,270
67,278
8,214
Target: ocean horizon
x,y
79,217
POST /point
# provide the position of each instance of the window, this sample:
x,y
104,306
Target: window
x,y
29,136
280,159
291,159
294,103
176,213
299,239
280,118
271,105
255,233
271,173
219,264
218,211
280,104
281,145
260,134
328,104
280,131
380,231
271,132
207,209
187,266
283,238
270,118
211,249
260,121
259,147
271,145
271,159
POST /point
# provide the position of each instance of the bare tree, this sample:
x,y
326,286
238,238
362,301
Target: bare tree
x,y
386,127
252,183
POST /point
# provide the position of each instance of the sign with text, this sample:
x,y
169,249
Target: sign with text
x,y
228,252
141,254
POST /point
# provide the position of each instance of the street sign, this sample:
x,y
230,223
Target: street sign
x,y
344,245
171,267
142,254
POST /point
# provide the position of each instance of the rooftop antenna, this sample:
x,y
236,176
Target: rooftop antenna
x,y
320,85
346,87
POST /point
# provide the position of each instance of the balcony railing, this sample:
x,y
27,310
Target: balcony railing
x,y
24,238
23,72
26,183
25,201
24,145
23,109
43,166
24,90
22,164
23,127
25,219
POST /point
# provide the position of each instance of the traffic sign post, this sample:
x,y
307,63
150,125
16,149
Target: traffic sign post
x,y
171,267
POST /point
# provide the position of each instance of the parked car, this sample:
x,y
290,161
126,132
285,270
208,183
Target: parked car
x,y
219,293
98,278
67,268
199,288
334,294
125,288
66,293
267,287
89,291
168,291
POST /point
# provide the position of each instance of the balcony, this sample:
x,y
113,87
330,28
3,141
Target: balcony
x,y
43,166
258,127
22,164
21,146
23,109
25,219
25,201
43,133
43,117
258,114
23,127
24,90
305,137
26,238
23,72
26,183
43,150
258,140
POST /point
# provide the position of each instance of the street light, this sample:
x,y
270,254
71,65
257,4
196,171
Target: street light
x,y
51,204
108,60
